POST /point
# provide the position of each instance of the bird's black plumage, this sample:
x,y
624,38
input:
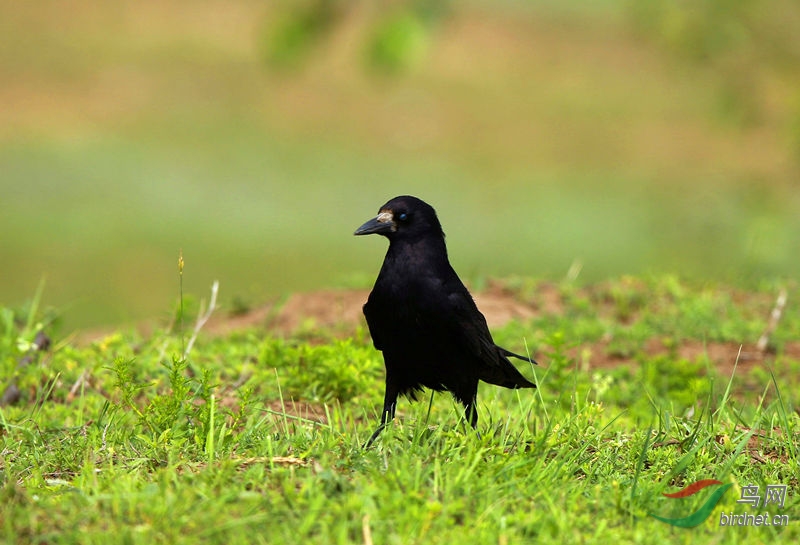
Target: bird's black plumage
x,y
424,320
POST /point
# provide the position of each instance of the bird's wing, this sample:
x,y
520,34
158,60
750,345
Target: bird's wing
x,y
465,330
375,328
456,317
451,315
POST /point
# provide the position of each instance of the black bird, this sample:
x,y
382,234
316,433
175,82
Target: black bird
x,y
424,320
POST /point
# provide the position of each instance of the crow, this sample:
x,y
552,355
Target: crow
x,y
423,319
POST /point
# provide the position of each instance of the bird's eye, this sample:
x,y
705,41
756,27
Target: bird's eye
x,y
403,216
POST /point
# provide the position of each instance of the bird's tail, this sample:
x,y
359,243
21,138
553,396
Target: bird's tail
x,y
505,374
510,354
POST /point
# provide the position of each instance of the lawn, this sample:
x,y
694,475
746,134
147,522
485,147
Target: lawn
x,y
646,385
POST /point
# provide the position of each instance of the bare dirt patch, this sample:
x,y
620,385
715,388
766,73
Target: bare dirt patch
x,y
339,312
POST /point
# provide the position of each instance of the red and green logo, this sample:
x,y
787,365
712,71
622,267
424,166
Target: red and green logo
x,y
704,511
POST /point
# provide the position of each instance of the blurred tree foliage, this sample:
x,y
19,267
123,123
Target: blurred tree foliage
x,y
397,33
298,29
752,47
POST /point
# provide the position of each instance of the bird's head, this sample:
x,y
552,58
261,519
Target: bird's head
x,y
403,218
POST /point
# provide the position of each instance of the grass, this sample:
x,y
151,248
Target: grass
x,y
255,438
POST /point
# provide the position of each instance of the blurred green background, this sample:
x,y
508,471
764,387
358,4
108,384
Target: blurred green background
x,y
628,136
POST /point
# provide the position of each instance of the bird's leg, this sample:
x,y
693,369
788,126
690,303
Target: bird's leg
x,y
469,398
389,406
385,418
471,412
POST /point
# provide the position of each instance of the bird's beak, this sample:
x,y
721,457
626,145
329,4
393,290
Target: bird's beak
x,y
382,224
